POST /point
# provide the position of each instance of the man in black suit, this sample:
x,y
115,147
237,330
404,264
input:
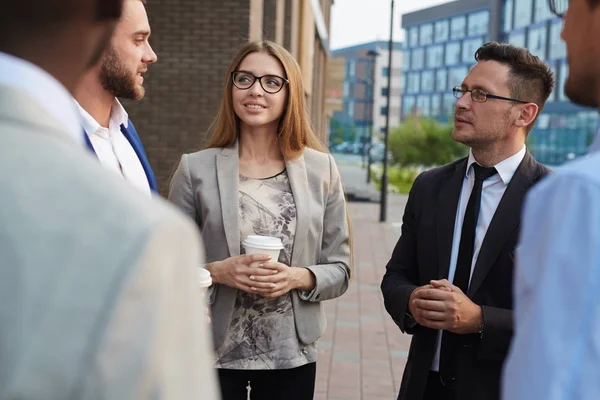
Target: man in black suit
x,y
449,281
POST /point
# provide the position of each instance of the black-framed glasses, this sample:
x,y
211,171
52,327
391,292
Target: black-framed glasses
x,y
480,96
270,83
558,7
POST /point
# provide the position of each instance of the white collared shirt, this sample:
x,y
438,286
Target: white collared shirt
x,y
45,89
491,193
112,147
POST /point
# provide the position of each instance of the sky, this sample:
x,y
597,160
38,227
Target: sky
x,y
359,21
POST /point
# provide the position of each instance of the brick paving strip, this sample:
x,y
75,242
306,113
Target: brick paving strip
x,y
362,353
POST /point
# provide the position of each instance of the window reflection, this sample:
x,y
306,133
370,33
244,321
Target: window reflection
x,y
456,75
441,83
442,30
435,56
522,13
457,27
452,53
417,61
427,81
541,11
423,105
448,104
470,46
406,60
558,48
508,13
478,23
517,39
408,104
436,104
426,34
536,41
413,36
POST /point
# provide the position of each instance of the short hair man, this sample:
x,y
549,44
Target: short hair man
x,y
557,313
109,132
449,281
97,281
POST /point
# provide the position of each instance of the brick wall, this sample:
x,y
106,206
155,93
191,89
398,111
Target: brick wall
x,y
195,42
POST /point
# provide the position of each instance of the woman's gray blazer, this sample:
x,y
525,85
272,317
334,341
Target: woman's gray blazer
x,y
205,186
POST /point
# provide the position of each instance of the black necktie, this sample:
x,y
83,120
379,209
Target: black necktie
x,y
463,268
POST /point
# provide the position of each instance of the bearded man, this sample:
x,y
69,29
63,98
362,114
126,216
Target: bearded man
x,y
109,132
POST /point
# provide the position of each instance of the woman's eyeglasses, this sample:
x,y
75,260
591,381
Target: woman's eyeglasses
x,y
270,83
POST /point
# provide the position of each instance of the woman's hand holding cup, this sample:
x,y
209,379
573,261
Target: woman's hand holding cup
x,y
235,271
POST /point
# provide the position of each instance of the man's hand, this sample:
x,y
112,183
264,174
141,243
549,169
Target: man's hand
x,y
441,305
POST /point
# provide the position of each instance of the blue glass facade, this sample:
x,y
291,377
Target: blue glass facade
x,y
442,60
437,56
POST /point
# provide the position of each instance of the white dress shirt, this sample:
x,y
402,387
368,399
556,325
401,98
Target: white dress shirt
x,y
555,351
19,74
492,191
112,147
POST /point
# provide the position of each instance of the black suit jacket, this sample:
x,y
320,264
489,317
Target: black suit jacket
x,y
423,254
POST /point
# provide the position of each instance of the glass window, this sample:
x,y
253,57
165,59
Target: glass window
x,y
441,83
435,56
458,27
470,46
522,13
557,46
508,14
351,68
517,39
351,109
423,105
452,53
478,23
418,59
414,82
426,34
427,81
552,96
346,88
456,75
536,41
436,104
442,30
406,60
413,36
408,105
383,111
541,11
448,104
402,82
562,78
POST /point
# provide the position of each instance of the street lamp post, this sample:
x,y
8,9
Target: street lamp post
x,y
373,54
384,176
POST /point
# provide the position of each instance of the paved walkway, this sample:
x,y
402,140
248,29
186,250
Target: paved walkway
x,y
362,353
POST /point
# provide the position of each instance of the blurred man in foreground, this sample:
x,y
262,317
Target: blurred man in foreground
x,y
98,295
555,354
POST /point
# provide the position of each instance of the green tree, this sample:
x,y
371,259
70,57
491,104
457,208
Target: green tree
x,y
424,141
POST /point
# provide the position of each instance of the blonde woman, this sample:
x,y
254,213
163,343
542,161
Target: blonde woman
x,y
264,172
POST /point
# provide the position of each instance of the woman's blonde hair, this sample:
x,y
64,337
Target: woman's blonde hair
x,y
295,131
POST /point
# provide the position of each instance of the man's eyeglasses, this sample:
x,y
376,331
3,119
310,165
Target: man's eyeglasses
x,y
558,7
270,83
480,96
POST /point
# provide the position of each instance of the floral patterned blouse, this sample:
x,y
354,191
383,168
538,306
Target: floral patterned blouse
x,y
262,332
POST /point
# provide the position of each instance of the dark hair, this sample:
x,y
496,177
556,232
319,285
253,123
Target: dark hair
x,y
529,79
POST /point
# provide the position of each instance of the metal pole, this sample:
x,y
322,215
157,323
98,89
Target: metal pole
x,y
384,176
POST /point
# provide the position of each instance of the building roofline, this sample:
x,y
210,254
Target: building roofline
x,y
381,44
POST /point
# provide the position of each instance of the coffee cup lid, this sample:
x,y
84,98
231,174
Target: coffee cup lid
x,y
204,278
263,242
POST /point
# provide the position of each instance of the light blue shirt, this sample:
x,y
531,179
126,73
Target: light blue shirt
x,y
555,353
491,193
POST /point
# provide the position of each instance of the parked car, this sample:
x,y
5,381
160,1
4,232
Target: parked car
x,y
376,153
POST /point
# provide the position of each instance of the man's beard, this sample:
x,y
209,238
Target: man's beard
x,y
116,79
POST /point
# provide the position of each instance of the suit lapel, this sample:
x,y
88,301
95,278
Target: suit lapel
x,y
135,142
296,170
228,167
447,206
504,222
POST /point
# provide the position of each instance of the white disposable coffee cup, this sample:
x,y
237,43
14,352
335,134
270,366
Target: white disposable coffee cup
x,y
256,244
204,278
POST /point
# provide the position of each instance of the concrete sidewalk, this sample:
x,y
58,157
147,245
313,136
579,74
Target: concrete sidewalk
x,y
354,179
362,354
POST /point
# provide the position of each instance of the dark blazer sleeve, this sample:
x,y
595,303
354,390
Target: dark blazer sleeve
x,y
497,333
401,275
